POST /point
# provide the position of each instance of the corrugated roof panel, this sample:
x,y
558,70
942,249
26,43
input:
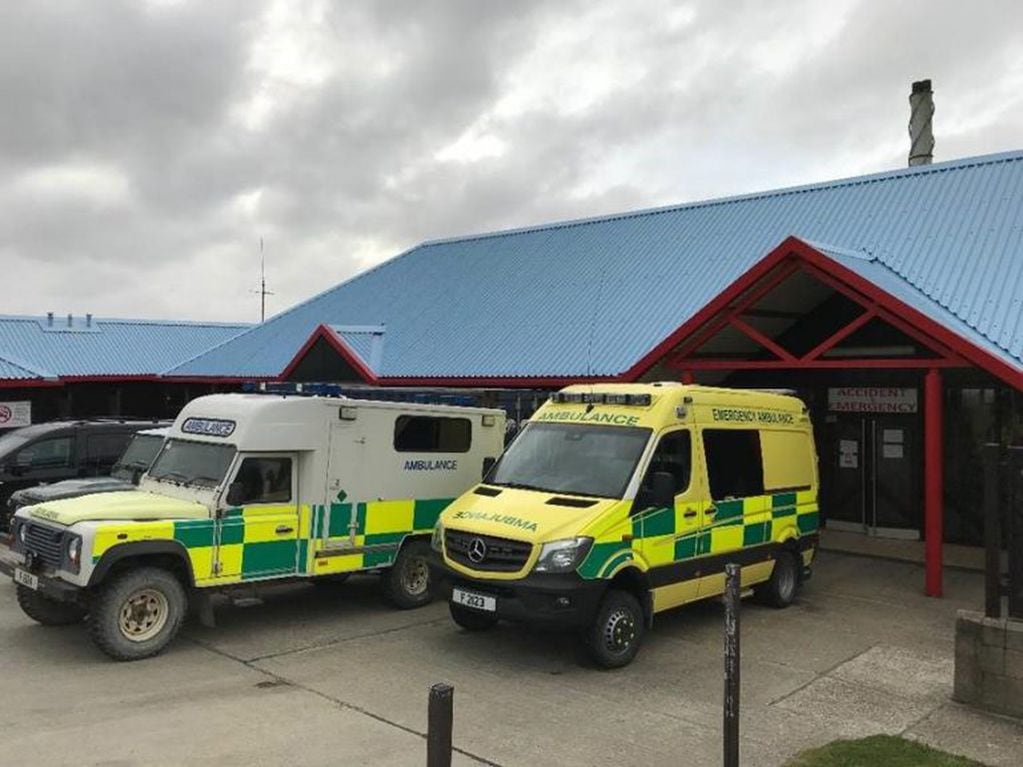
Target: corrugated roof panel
x,y
591,297
105,347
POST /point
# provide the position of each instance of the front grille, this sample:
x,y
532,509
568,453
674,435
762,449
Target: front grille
x,y
45,543
500,554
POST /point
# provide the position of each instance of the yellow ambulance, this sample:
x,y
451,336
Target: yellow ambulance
x,y
620,501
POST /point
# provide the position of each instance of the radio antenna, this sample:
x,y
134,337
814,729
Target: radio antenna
x,y
263,292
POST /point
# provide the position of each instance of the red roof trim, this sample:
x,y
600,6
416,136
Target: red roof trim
x,y
337,343
793,247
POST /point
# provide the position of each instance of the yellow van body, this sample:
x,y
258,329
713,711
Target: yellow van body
x,y
745,482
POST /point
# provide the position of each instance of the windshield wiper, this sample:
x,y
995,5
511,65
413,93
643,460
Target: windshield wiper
x,y
172,475
203,479
521,486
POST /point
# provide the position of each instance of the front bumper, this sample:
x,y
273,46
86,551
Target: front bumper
x,y
560,601
49,586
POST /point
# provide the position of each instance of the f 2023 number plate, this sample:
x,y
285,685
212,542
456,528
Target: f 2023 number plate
x,y
475,601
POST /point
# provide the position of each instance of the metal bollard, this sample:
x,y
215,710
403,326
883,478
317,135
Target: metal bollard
x,y
440,721
731,723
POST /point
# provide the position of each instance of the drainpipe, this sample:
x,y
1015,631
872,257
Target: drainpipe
x,y
933,483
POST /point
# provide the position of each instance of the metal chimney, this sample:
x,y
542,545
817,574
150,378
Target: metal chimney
x,y
69,323
921,114
49,319
88,320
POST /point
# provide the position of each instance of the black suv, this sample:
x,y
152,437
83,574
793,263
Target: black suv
x,y
59,450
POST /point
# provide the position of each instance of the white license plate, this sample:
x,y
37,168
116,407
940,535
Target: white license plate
x,y
26,578
475,601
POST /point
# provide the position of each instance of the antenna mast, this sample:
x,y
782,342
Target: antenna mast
x,y
263,292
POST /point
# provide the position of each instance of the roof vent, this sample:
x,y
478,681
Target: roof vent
x,y
70,321
88,320
49,319
921,114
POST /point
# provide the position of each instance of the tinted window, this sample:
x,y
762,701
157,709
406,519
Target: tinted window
x,y
734,465
104,449
674,456
265,480
432,434
46,454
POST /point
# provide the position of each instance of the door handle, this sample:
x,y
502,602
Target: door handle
x,y
689,513
710,512
282,529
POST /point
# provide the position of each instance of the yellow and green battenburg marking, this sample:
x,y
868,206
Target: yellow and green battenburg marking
x,y
251,548
738,524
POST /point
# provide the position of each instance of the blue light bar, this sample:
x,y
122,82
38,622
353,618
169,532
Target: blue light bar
x,y
294,388
601,398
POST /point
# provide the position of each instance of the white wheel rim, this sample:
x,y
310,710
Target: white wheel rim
x,y
143,615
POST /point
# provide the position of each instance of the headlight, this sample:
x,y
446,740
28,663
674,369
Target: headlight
x,y
21,532
74,551
437,541
562,556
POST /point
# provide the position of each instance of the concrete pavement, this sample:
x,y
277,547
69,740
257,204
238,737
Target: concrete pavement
x,y
317,676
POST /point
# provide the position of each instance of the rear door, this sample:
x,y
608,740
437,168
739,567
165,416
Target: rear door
x,y
258,538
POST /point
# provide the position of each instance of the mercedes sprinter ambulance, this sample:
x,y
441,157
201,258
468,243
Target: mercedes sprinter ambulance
x,y
620,501
250,488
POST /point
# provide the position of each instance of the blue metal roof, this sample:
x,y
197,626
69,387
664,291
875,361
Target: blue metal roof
x,y
35,348
592,297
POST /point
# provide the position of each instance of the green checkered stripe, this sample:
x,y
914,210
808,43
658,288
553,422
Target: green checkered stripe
x,y
336,525
757,529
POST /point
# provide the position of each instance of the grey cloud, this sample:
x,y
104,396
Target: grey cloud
x,y
346,167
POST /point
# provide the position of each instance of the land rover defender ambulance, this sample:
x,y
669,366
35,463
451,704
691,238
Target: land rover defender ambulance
x,y
619,501
251,488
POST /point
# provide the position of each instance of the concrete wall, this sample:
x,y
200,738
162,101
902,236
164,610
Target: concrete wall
x,y
989,663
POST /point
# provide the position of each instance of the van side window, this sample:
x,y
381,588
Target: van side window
x,y
266,480
735,465
432,434
102,450
45,454
674,455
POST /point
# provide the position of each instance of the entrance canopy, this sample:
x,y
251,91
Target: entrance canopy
x,y
816,307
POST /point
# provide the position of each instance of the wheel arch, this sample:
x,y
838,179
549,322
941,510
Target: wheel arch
x,y
633,580
170,555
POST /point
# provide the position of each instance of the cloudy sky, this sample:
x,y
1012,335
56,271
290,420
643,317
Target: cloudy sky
x,y
145,147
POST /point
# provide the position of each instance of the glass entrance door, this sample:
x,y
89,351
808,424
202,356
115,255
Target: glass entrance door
x,y
875,468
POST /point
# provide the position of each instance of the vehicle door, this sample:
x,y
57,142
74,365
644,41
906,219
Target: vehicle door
x,y
739,514
257,527
668,538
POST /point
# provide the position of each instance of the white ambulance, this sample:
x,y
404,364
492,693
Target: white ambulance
x,y
251,488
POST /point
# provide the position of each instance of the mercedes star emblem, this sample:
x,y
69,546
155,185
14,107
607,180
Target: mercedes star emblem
x,y
477,550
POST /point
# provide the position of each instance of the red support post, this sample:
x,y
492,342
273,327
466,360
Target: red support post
x,y
933,485
687,377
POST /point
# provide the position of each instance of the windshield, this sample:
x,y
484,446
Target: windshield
x,y
192,463
139,455
572,458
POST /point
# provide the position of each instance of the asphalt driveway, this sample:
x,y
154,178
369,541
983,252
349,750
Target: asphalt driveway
x,y
316,676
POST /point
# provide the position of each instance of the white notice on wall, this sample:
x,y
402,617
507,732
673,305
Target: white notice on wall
x,y
892,435
892,451
14,415
848,461
848,446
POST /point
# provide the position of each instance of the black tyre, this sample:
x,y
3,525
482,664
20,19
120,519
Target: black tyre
x,y
781,589
471,620
617,631
407,583
48,612
137,613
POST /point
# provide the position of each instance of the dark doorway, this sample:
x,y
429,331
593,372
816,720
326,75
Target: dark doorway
x,y
875,482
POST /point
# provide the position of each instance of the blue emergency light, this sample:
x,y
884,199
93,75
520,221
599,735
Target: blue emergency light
x,y
293,388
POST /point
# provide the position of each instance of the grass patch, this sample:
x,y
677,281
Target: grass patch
x,y
878,750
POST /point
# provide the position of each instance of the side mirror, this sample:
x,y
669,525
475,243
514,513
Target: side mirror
x,y
136,475
662,492
488,464
236,494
